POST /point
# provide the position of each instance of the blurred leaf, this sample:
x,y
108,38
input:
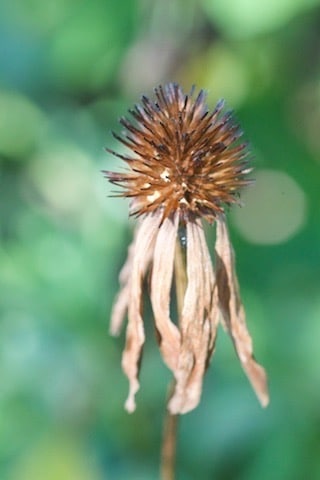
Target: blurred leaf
x,y
87,47
21,125
247,18
56,458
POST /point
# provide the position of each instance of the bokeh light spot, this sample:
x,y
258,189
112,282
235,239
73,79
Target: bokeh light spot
x,y
275,209
242,18
63,177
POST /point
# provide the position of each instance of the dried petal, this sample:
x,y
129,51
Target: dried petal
x,y
233,312
163,262
195,326
120,306
135,337
212,299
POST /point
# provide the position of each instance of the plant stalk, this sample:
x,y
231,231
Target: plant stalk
x,y
170,428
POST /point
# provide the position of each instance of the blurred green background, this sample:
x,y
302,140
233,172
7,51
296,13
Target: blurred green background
x,y
68,70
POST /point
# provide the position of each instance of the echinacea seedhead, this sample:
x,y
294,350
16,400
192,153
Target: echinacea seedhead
x,y
184,158
187,164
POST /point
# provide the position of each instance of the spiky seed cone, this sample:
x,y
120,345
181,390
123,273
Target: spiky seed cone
x,y
184,159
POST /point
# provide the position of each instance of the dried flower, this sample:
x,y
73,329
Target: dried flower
x,y
188,165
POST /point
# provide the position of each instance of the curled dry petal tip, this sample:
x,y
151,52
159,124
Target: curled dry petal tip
x,y
233,311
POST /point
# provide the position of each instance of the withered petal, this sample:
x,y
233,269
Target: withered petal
x,y
142,254
233,312
161,280
195,326
212,300
120,307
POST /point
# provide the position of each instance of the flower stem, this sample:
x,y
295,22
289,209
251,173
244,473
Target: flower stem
x,y
169,445
170,428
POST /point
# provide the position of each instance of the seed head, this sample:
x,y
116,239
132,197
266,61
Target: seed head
x,y
187,164
186,159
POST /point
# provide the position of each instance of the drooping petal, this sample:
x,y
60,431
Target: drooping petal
x,y
233,312
162,270
141,256
120,306
195,325
211,299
